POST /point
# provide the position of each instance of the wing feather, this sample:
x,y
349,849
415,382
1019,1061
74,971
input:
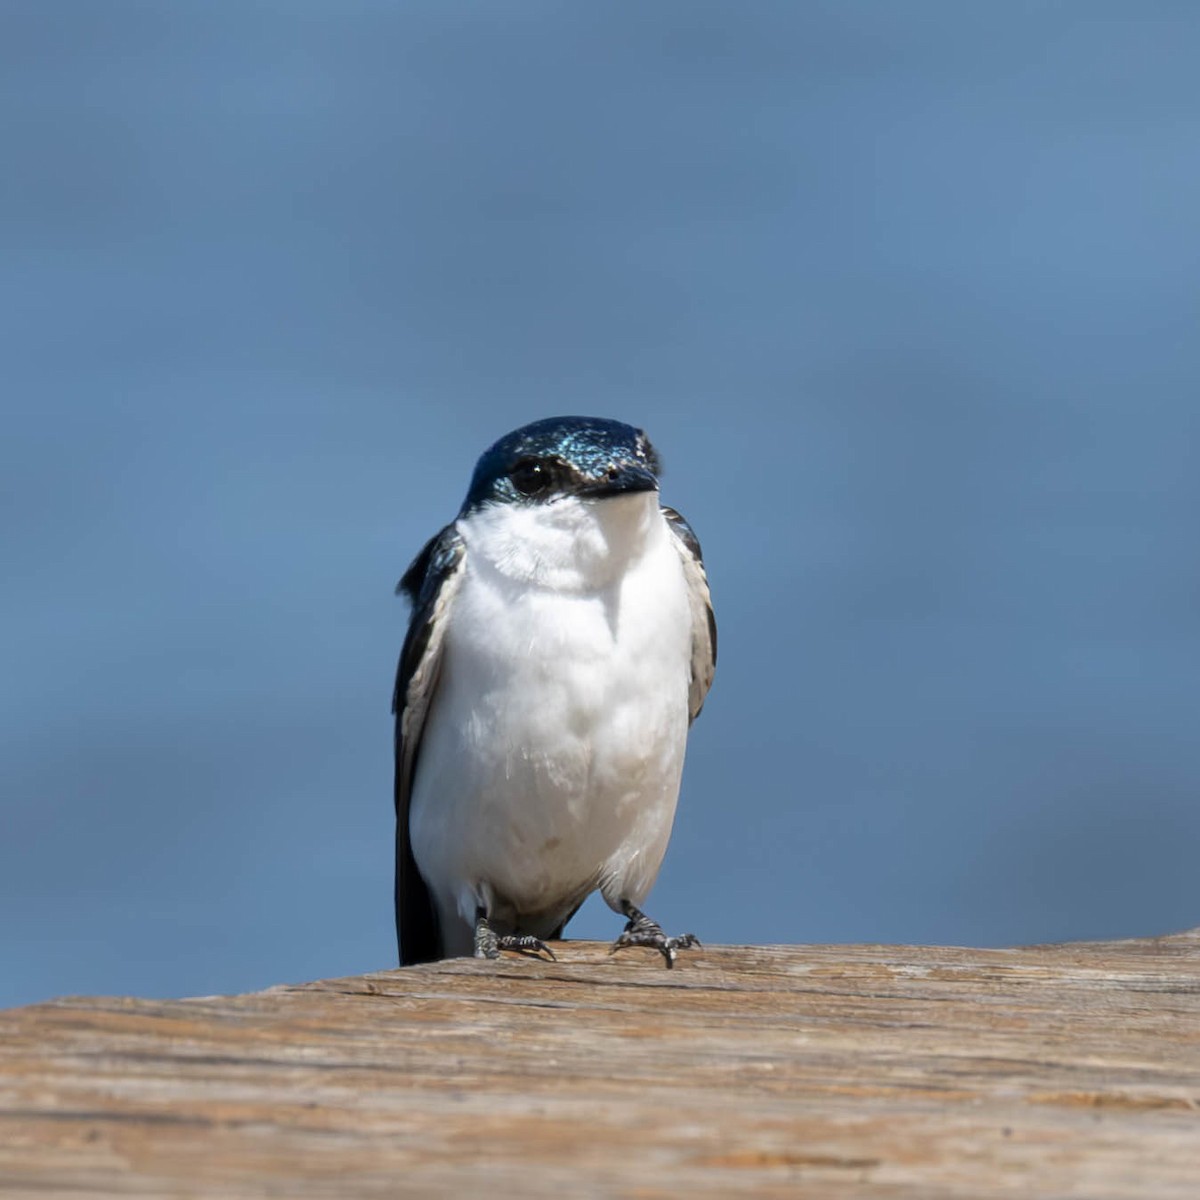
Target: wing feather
x,y
430,583
704,624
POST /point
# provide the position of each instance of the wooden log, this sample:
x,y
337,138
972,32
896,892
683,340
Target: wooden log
x,y
890,1071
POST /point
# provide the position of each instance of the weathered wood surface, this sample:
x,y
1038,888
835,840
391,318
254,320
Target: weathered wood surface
x,y
823,1070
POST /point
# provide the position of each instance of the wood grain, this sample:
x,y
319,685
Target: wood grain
x,y
877,1071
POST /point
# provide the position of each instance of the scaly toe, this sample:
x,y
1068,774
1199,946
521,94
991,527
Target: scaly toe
x,y
668,947
525,944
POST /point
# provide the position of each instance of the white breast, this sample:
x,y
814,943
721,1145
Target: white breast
x,y
551,758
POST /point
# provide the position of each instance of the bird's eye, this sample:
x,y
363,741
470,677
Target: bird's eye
x,y
530,477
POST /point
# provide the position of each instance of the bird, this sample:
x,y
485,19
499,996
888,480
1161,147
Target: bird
x,y
561,642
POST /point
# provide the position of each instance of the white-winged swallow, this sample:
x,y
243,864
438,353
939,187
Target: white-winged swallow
x,y
560,645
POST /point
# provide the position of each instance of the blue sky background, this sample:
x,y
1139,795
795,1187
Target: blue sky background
x,y
908,295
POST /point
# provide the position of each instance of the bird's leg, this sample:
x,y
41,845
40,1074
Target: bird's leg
x,y
489,943
642,931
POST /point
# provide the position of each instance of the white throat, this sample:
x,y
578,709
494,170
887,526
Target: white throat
x,y
570,544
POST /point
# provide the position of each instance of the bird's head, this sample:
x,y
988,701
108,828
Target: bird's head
x,y
566,502
563,457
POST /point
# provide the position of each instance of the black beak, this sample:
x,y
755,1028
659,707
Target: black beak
x,y
621,478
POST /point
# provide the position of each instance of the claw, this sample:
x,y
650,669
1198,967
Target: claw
x,y
642,931
525,943
489,943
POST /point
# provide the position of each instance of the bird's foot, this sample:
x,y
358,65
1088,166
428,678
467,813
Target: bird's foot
x,y
489,943
642,931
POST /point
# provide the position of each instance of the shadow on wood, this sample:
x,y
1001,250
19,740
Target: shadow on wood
x,y
893,1071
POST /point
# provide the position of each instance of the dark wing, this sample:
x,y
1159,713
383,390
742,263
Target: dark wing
x,y
430,583
704,625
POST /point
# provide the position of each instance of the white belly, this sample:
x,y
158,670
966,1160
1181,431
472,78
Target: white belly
x,y
552,754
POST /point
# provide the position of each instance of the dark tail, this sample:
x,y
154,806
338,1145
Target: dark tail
x,y
417,934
